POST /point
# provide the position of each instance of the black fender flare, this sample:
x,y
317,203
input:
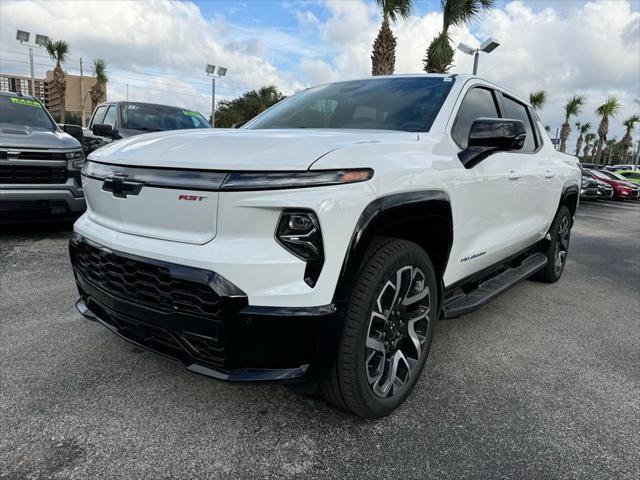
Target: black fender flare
x,y
384,212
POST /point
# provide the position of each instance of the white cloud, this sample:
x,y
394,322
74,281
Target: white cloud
x,y
161,40
591,49
160,47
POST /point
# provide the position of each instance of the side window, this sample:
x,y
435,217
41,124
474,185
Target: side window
x,y
517,111
110,116
477,103
98,116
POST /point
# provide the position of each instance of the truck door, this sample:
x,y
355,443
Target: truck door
x,y
485,205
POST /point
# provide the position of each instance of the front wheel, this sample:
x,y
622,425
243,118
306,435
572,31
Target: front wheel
x,y
389,324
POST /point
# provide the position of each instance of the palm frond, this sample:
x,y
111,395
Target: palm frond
x,y
396,10
461,12
573,106
630,123
100,71
537,99
609,108
58,51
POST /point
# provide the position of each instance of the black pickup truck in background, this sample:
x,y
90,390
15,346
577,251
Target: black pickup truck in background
x,y
116,120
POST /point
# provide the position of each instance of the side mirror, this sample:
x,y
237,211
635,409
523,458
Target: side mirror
x,y
104,130
239,124
490,135
74,130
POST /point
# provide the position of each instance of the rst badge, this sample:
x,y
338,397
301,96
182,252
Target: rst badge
x,y
191,198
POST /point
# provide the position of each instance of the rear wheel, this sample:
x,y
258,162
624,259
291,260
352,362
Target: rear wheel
x,y
556,253
389,325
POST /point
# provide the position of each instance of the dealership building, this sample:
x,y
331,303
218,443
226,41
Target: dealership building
x,y
77,88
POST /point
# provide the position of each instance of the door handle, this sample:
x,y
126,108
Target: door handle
x,y
549,174
514,175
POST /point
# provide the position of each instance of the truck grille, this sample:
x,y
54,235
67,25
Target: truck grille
x,y
143,282
23,174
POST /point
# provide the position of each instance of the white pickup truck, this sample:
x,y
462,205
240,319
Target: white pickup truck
x,y
320,243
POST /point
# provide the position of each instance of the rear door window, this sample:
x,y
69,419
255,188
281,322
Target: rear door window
x,y
477,103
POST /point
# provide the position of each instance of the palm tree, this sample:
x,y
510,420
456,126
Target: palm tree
x,y
582,128
537,99
59,51
383,54
594,149
96,92
571,108
608,109
627,141
588,138
455,13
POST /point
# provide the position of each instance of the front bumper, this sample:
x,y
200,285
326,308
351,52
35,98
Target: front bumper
x,y
201,319
30,202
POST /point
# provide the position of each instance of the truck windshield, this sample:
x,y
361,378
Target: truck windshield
x,y
407,104
154,118
25,112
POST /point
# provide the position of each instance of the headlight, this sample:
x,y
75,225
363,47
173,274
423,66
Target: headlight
x,y
299,232
276,180
76,157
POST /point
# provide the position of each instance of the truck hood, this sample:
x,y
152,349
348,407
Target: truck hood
x,y
238,149
24,136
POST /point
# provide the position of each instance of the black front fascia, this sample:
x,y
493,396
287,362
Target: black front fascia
x,y
234,342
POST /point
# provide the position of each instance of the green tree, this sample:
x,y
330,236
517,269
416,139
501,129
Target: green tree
x,y
572,108
537,99
97,92
247,106
608,109
627,141
59,52
582,129
455,13
383,53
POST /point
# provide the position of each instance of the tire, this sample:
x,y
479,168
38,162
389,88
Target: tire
x,y
378,324
556,253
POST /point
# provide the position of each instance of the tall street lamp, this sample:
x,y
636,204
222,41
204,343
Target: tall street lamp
x,y
214,73
41,41
488,46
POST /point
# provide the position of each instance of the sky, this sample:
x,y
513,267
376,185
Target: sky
x,y
157,50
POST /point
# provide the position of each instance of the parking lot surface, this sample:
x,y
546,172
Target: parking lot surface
x,y
543,382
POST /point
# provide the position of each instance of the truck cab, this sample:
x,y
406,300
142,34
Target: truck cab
x,y
117,120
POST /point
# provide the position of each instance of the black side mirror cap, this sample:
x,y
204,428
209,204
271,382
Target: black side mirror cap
x,y
490,135
74,130
103,130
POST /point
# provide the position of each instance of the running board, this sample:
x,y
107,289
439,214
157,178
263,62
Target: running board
x,y
487,291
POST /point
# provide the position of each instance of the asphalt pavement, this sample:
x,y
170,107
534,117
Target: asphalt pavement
x,y
544,382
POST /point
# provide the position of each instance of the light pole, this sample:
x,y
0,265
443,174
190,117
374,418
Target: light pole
x,y
214,73
488,46
41,41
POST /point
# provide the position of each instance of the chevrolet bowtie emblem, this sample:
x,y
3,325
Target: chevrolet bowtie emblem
x,y
120,186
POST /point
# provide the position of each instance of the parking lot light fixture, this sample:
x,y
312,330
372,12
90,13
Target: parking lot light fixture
x,y
213,73
488,46
22,36
41,41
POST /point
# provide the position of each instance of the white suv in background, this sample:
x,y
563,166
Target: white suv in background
x,y
320,243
